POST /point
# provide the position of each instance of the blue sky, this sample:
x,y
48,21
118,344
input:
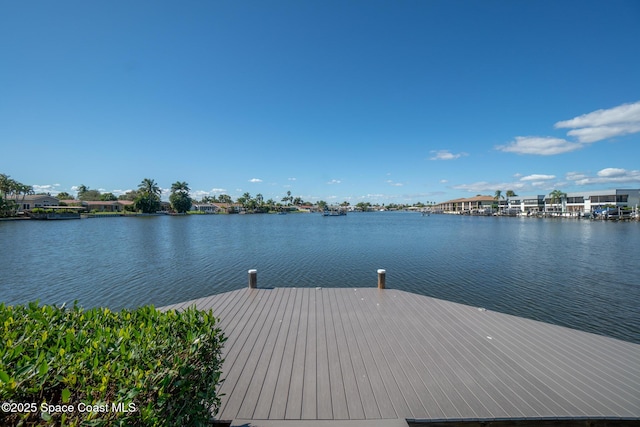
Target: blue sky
x,y
379,101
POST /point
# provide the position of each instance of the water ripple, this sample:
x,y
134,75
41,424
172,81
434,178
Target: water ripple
x,y
573,273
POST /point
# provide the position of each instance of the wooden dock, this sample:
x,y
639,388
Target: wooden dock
x,y
312,355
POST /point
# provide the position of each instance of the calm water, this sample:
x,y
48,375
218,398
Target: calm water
x,y
573,273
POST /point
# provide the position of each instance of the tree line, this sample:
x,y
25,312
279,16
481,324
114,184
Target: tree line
x,y
11,191
147,198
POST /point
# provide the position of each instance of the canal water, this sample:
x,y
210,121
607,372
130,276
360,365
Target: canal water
x,y
575,273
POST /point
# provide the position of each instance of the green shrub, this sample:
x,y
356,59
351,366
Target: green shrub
x,y
130,368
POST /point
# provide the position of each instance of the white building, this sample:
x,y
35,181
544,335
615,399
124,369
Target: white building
x,y
577,202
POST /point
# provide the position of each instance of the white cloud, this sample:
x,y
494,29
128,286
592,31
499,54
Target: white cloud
x,y
539,145
445,155
587,128
602,124
607,176
199,194
612,172
444,181
291,179
541,184
621,114
594,134
395,184
490,187
255,180
334,181
537,177
47,188
575,176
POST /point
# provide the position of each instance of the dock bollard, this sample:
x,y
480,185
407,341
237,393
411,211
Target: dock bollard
x,y
382,278
253,278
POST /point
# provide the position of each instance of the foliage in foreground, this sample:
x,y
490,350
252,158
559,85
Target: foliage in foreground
x,y
134,367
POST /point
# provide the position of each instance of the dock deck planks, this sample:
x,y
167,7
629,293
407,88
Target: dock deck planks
x,y
370,354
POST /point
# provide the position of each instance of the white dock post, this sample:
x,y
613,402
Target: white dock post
x,y
382,278
253,278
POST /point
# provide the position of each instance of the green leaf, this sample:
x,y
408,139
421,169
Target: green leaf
x,y
43,368
4,377
66,395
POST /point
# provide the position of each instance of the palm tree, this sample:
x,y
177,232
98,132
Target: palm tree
x,y
288,198
510,193
22,189
498,195
179,198
11,187
270,204
6,184
149,187
181,187
245,200
259,200
81,190
557,196
148,199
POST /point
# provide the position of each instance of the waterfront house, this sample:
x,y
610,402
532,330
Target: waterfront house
x,y
32,201
125,204
477,204
216,207
593,200
309,208
574,203
98,205
527,204
577,203
102,206
210,208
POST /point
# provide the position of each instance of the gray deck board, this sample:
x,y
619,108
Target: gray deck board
x,y
268,390
362,385
281,395
354,401
310,380
369,354
293,408
336,380
263,359
323,384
